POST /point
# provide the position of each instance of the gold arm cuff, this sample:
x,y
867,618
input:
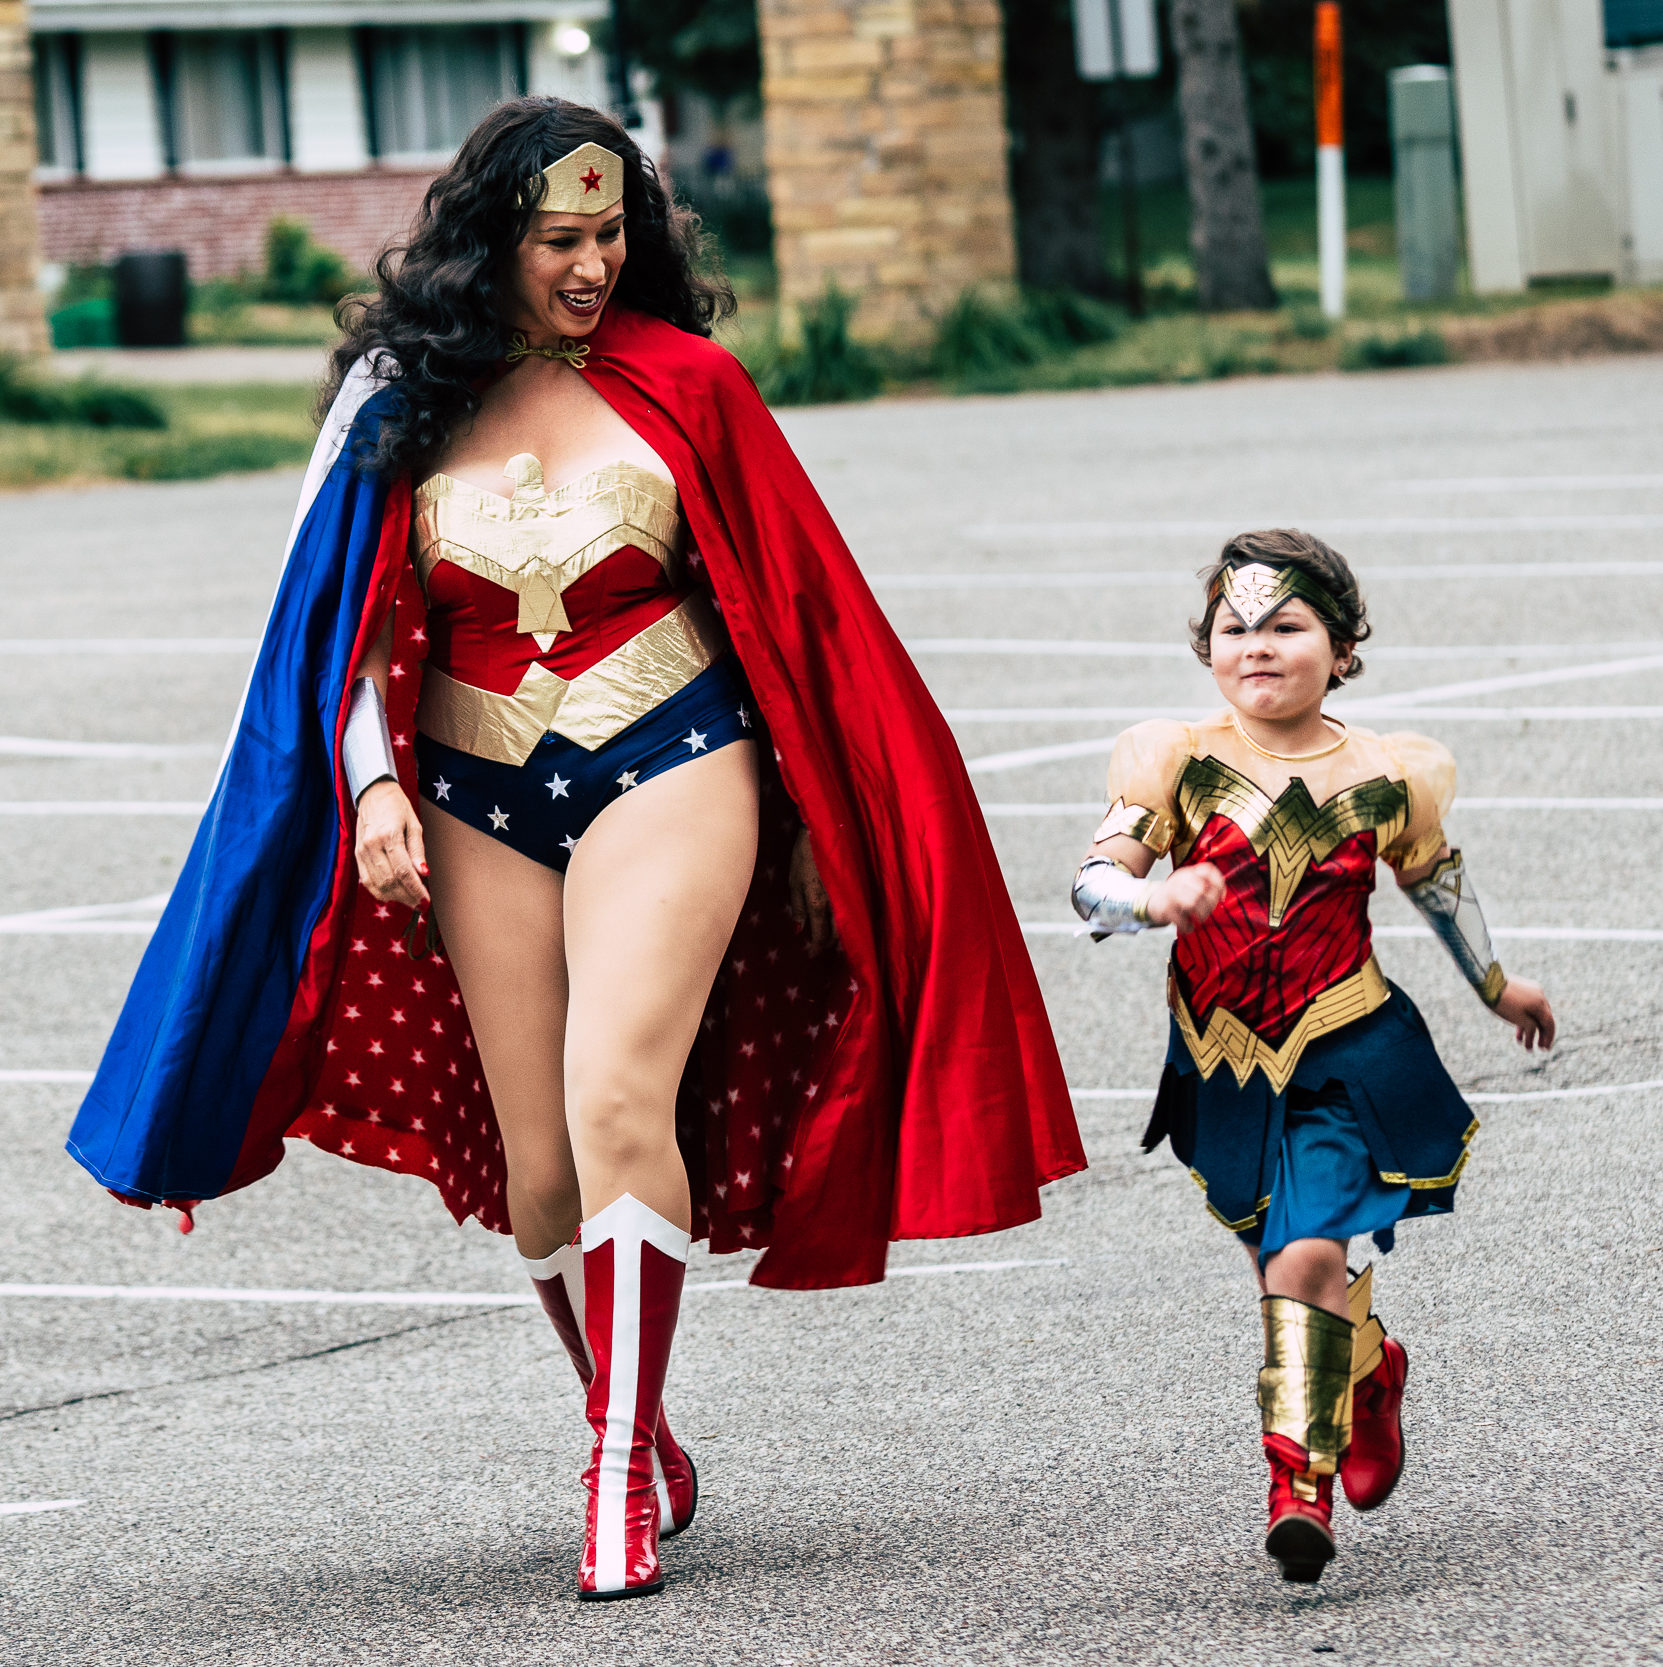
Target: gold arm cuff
x,y
1422,851
1228,1040
590,709
1305,1387
1495,981
1153,828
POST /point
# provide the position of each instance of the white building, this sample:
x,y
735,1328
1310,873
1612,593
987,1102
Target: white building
x,y
1561,113
190,124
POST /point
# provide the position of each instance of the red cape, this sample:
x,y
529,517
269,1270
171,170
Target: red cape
x,y
906,1085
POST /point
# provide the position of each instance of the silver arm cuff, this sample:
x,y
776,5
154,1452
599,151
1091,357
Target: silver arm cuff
x,y
1110,898
366,747
1448,904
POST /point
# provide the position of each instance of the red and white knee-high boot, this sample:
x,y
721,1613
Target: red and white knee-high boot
x,y
558,1281
634,1262
1379,1366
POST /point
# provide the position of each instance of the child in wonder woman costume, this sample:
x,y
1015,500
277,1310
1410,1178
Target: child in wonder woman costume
x,y
1301,1087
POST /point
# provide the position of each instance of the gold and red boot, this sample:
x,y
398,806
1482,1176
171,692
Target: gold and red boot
x,y
1379,1366
1305,1404
634,1262
558,1282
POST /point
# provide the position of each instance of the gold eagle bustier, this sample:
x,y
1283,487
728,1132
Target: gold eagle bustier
x,y
537,544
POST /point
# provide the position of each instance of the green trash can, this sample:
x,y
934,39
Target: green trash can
x,y
1423,168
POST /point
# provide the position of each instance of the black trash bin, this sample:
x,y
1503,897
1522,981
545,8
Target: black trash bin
x,y
150,298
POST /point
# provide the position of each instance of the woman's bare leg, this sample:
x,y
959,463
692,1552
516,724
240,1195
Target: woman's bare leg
x,y
653,892
1312,1271
500,914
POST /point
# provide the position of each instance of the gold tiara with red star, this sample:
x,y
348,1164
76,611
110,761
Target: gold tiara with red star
x,y
589,180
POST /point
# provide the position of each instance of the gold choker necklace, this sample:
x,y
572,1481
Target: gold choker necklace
x,y
1294,757
573,352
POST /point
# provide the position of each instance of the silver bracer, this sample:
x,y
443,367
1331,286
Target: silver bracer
x,y
1110,899
367,747
1447,903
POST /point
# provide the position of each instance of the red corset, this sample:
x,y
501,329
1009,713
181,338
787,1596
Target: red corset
x,y
474,624
1267,976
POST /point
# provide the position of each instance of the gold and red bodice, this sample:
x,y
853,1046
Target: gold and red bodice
x,y
1287,956
568,611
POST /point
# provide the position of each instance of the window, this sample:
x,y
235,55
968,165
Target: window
x,y
1633,22
58,102
224,97
428,87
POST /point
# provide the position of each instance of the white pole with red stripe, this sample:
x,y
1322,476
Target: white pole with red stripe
x,y
1330,103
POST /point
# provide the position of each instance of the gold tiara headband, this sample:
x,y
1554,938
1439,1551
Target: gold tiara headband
x,y
1256,590
588,180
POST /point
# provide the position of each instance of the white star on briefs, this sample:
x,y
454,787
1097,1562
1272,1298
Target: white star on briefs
x,y
744,717
499,818
568,844
557,787
441,788
694,740
627,780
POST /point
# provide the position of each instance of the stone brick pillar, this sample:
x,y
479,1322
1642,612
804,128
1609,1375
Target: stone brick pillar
x,y
22,319
885,124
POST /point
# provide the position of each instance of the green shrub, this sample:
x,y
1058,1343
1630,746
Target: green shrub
x,y
828,366
979,337
299,270
1065,318
1421,347
25,398
197,457
1309,325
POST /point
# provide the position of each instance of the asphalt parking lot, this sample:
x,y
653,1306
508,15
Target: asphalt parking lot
x,y
328,1445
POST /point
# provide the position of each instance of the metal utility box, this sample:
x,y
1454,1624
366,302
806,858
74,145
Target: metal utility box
x,y
1636,86
1539,174
1423,173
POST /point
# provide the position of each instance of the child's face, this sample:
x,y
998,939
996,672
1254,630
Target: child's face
x,y
1280,669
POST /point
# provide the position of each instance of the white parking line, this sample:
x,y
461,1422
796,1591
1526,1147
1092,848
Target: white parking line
x,y
1513,680
1418,572
24,746
80,1078
1088,649
86,917
1523,934
1490,1097
1338,526
436,1299
102,807
1102,745
1094,807
1350,708
29,1507
103,647
1534,483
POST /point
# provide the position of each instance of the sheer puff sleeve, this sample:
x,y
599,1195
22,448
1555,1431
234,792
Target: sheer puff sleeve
x,y
1143,776
1428,768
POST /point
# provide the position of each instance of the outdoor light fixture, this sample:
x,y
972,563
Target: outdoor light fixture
x,y
571,40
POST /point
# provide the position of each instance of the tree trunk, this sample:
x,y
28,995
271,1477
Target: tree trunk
x,y
1227,234
1054,167
22,324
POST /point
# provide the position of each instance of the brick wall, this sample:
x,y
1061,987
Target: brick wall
x,y
22,325
887,152
221,222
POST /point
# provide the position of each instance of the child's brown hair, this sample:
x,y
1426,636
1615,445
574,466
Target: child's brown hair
x,y
1346,617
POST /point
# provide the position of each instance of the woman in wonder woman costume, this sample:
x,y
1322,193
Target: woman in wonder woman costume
x,y
1301,1087
569,661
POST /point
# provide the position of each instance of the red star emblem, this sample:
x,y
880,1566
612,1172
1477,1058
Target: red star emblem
x,y
591,180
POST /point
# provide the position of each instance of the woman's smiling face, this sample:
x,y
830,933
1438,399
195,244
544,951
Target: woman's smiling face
x,y
564,271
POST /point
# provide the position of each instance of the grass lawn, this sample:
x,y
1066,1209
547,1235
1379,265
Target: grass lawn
x,y
212,430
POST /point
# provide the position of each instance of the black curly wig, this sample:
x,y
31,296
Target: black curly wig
x,y
435,324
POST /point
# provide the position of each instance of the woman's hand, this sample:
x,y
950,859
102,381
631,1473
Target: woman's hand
x,y
391,860
1187,897
810,906
1525,1007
